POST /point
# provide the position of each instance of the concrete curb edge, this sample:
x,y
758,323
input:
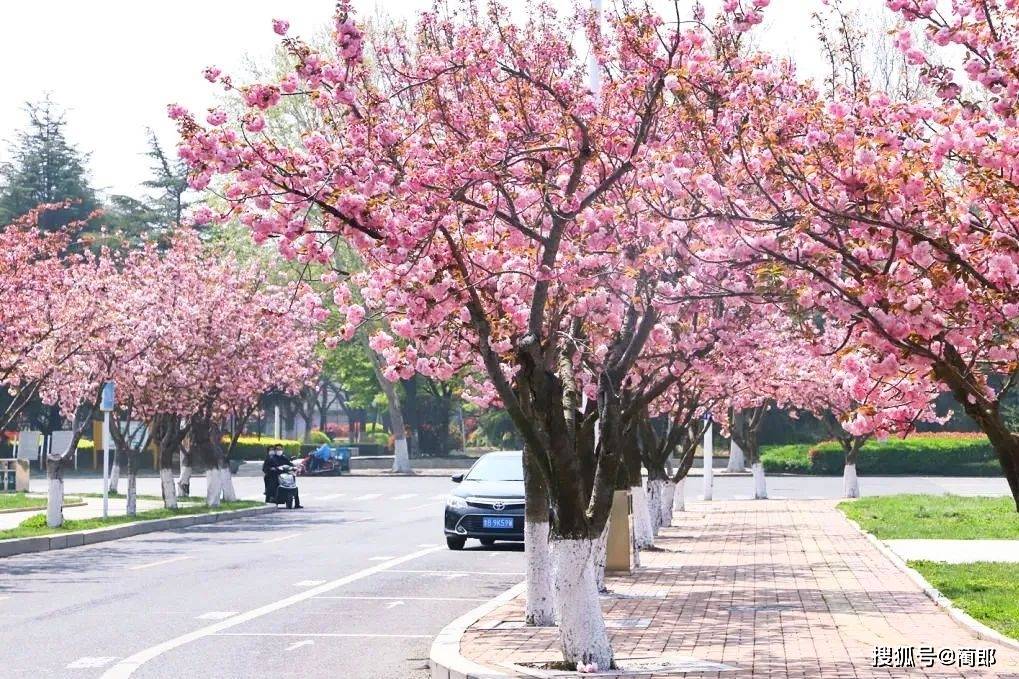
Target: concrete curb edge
x,y
979,629
45,543
444,658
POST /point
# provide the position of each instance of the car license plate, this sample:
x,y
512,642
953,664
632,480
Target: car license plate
x,y
496,522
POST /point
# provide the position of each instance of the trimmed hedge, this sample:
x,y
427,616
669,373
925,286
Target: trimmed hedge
x,y
949,454
253,447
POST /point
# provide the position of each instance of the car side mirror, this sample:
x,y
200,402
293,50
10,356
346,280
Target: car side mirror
x,y
457,478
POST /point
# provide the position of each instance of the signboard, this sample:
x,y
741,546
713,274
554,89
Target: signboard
x,y
107,403
28,444
60,440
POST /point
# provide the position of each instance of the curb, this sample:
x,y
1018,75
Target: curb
x,y
979,629
45,543
39,509
444,658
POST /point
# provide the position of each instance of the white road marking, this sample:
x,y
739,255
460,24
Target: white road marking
x,y
369,496
298,644
281,538
330,497
456,573
156,563
4,597
424,506
217,615
427,544
403,598
308,583
405,496
126,667
380,558
350,635
394,604
440,496
89,663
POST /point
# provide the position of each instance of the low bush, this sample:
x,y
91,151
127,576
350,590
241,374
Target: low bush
x,y
948,453
318,436
254,447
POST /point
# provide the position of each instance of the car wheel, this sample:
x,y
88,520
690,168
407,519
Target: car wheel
x,y
488,542
455,542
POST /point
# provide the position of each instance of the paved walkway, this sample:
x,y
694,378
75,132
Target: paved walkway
x,y
92,509
956,551
768,588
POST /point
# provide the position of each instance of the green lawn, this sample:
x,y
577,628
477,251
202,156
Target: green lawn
x,y
987,591
157,498
36,525
25,501
949,517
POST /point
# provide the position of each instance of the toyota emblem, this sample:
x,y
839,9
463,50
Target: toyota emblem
x,y
498,506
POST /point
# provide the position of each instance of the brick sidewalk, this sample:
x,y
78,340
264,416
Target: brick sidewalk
x,y
771,588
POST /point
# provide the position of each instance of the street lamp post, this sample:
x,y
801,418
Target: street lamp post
x,y
107,407
709,462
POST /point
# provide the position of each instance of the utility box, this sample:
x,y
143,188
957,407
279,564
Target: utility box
x,y
13,475
618,556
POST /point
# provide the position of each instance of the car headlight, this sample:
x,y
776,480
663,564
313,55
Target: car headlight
x,y
454,502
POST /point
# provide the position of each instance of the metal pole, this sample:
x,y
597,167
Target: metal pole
x,y
106,464
709,469
463,431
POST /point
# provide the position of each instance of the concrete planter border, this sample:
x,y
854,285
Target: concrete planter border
x,y
44,543
979,629
444,657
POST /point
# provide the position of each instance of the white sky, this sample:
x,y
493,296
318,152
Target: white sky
x,y
114,65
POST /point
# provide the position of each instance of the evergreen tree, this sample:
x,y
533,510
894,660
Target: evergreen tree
x,y
45,168
170,182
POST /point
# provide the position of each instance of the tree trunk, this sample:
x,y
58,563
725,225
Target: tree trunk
x,y
737,461
132,484
401,454
850,481
582,632
986,414
679,499
184,482
601,557
655,495
55,494
120,461
540,610
667,503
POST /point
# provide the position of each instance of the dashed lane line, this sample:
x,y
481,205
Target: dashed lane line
x,y
281,538
369,496
402,598
126,667
155,563
405,496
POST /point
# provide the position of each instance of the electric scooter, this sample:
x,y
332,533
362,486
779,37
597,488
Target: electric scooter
x,y
286,489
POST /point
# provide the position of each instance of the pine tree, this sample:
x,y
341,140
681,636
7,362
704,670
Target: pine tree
x,y
169,180
45,168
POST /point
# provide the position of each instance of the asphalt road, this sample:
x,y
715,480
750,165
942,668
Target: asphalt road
x,y
354,586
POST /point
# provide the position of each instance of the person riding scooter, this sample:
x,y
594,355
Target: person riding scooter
x,y
271,470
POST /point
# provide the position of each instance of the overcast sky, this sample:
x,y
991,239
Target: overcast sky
x,y
114,65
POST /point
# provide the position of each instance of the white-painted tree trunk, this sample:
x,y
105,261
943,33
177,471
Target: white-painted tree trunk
x,y
643,535
655,497
667,503
227,481
114,478
601,557
540,611
132,493
169,491
184,482
582,632
760,488
737,460
401,456
213,486
850,481
55,501
679,499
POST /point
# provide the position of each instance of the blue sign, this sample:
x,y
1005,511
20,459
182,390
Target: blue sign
x,y
108,400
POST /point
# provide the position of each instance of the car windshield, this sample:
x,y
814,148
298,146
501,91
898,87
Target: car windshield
x,y
497,468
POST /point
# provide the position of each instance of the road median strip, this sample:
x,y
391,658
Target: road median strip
x,y
62,540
